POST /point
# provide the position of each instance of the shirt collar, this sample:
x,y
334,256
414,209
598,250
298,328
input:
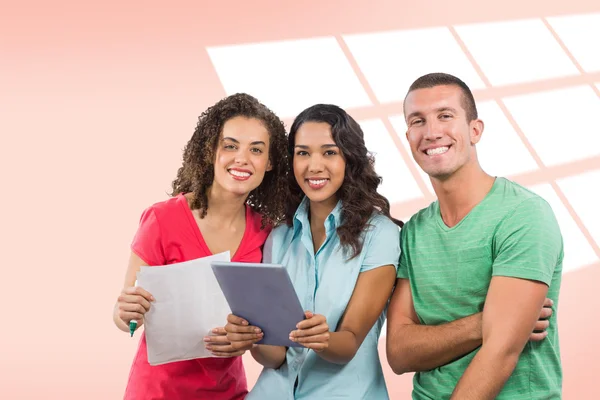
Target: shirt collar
x,y
332,221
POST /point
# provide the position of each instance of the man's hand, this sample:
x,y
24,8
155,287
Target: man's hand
x,y
540,330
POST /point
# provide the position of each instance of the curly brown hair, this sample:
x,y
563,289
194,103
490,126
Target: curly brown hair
x,y
358,192
196,174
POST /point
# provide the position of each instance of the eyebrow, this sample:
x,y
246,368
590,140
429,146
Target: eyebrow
x,y
441,109
237,141
302,146
438,110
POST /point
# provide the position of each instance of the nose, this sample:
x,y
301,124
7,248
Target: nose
x,y
241,158
315,164
433,130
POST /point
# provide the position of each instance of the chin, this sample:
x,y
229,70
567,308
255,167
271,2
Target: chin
x,y
322,198
241,189
440,175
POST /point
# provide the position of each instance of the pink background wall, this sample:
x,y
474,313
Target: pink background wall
x,y
97,101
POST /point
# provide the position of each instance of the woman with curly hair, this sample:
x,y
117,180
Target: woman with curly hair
x,y
228,194
341,248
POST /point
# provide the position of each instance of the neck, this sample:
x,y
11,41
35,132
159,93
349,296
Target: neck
x,y
226,207
319,211
461,192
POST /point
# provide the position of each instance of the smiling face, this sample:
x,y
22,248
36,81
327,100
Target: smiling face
x,y
242,156
319,166
441,138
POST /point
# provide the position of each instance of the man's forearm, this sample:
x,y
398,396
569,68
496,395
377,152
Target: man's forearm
x,y
416,348
486,375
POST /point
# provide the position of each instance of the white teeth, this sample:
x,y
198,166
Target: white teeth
x,y
317,182
438,150
239,173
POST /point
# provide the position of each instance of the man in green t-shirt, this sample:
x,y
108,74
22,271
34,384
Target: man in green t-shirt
x,y
476,268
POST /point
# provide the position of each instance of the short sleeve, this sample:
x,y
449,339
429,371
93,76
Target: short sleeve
x,y
147,242
383,244
528,244
403,263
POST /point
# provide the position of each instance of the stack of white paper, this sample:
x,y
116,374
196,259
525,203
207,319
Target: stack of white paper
x,y
188,304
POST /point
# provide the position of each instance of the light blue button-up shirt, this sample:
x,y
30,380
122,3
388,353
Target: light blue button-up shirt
x,y
324,283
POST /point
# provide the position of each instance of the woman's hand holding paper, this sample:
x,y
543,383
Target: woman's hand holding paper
x,y
132,304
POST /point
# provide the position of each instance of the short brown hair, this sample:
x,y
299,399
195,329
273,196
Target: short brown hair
x,y
442,79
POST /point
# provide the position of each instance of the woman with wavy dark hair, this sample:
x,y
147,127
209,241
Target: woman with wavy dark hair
x,y
341,248
228,194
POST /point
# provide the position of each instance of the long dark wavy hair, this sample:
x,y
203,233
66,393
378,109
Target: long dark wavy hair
x,y
358,192
196,174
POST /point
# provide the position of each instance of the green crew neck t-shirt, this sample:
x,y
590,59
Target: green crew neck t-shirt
x,y
511,232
